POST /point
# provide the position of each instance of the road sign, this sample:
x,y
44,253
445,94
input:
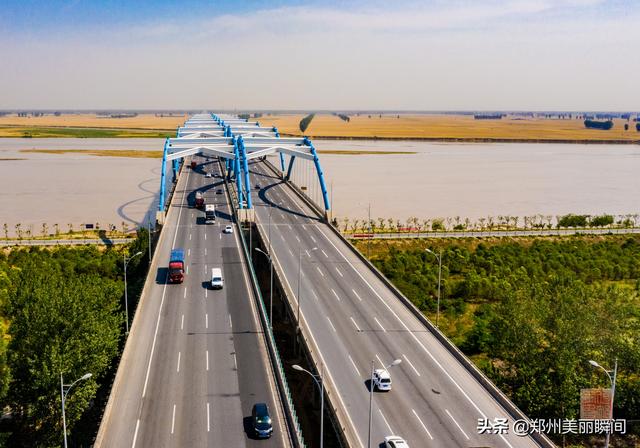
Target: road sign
x,y
595,404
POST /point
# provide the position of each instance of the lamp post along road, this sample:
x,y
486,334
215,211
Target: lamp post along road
x,y
126,297
394,363
63,397
270,287
612,375
320,383
439,257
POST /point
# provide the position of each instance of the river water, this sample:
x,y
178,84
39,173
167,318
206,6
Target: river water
x,y
437,180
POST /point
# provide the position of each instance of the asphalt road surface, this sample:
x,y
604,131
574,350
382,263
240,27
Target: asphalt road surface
x,y
196,359
356,322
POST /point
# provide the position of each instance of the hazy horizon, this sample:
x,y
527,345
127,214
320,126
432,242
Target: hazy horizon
x,y
455,56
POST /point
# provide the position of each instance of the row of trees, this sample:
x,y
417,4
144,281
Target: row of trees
x,y
532,312
305,122
500,222
45,230
60,312
593,124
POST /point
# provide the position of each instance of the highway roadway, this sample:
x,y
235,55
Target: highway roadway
x,y
355,320
196,360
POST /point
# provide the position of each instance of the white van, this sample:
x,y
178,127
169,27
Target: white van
x,y
217,282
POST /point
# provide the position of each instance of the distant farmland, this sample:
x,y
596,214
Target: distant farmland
x,y
451,127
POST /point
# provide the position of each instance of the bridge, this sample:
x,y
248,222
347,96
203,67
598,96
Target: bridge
x,y
349,318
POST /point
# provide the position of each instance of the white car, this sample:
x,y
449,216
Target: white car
x,y
395,442
208,175
228,229
381,380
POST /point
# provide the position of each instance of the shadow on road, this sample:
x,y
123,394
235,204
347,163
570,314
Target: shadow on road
x,y
162,276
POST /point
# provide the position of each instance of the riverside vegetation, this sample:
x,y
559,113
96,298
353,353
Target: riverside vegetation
x,y
61,311
531,311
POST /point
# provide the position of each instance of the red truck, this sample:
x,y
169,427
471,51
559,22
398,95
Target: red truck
x,y
199,200
176,266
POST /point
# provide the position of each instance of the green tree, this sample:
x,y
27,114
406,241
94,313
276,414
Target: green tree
x,y
60,323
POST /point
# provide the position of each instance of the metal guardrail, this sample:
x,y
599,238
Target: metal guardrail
x,y
490,233
283,387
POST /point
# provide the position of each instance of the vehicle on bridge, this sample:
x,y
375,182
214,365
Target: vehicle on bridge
x,y
193,164
199,199
381,380
261,420
217,282
176,266
210,214
395,442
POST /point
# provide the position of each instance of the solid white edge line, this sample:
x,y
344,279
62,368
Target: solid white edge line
x,y
332,326
423,425
173,418
457,424
354,365
135,434
385,420
355,324
411,364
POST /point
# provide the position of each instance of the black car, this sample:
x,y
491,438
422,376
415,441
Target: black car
x,y
261,420
218,191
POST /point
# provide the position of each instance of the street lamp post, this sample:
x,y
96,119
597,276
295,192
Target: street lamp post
x,y
394,363
149,233
319,380
439,257
612,375
270,287
126,297
63,396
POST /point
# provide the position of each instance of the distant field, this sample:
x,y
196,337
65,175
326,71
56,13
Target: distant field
x,y
143,121
89,126
101,152
60,132
450,127
407,126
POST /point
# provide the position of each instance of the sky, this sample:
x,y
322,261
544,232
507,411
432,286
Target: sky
x,y
321,55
